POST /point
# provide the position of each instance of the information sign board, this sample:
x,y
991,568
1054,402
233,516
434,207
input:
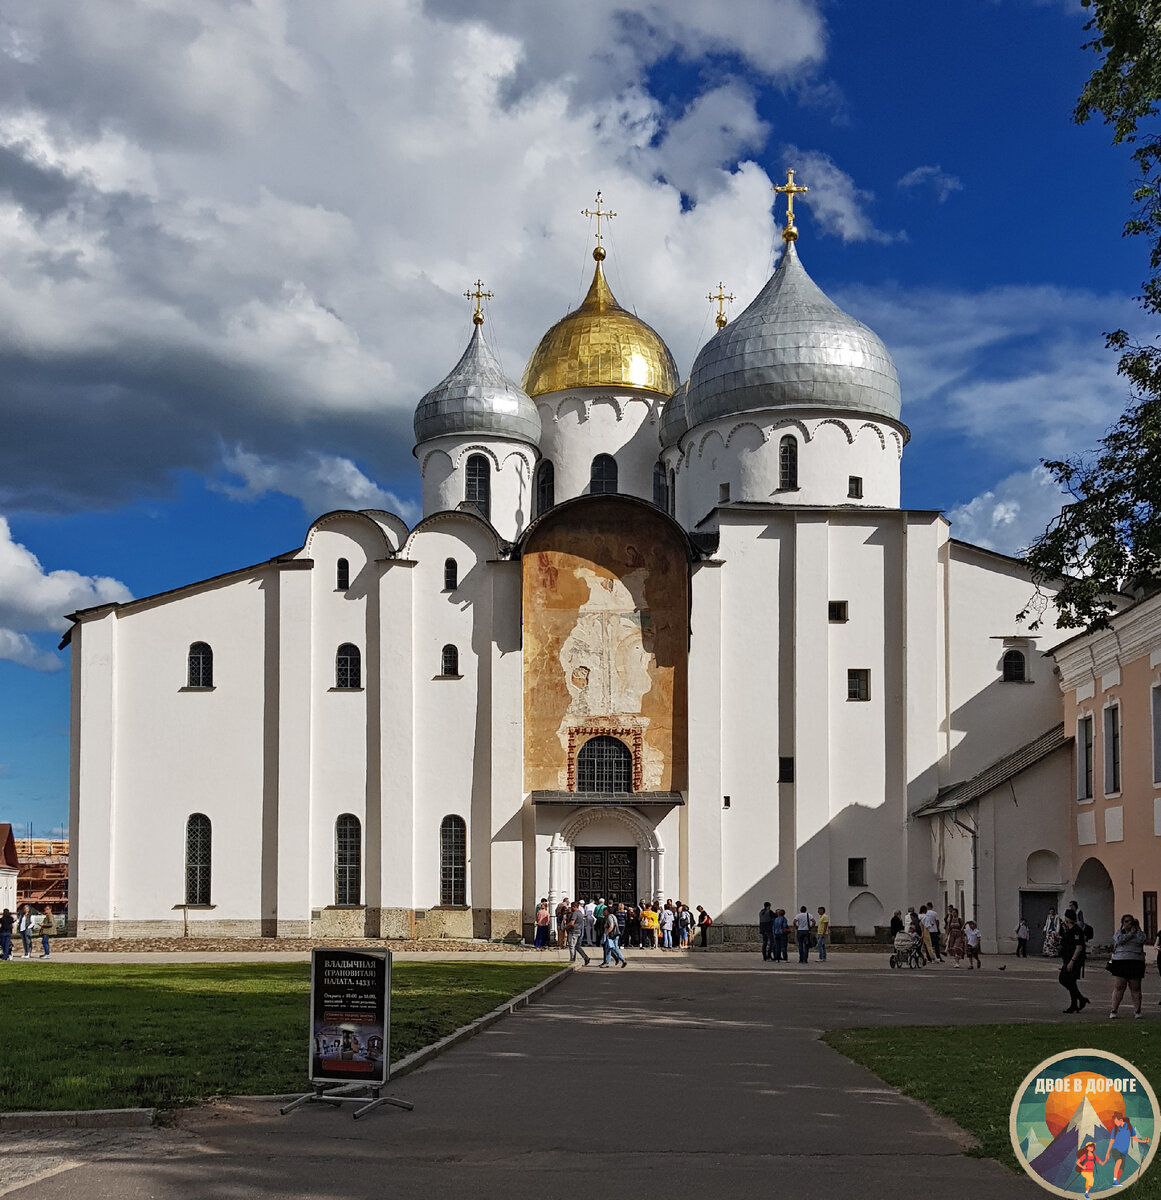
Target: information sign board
x,y
350,1006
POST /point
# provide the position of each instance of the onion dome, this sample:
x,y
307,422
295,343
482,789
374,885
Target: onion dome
x,y
673,422
600,344
793,347
477,398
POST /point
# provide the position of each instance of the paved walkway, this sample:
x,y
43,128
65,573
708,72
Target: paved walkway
x,y
688,1078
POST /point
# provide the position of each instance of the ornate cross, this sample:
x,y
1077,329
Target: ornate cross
x,y
721,298
598,212
478,295
790,189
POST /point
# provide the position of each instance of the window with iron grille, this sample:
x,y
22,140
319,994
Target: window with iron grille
x,y
788,464
201,665
672,493
348,859
450,661
1112,748
603,477
451,575
1014,666
1084,758
859,684
198,856
545,488
453,861
478,489
854,487
660,488
604,764
348,667
856,872
342,575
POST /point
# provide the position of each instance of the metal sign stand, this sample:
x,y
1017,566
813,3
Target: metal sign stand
x,y
343,1095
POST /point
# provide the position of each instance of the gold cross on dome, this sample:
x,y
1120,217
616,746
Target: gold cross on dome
x,y
478,295
790,189
721,298
599,213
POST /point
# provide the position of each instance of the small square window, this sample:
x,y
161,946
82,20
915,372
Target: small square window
x,y
723,493
854,487
856,872
786,770
836,611
859,684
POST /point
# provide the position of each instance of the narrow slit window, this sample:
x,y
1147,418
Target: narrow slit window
x,y
451,575
478,488
453,862
545,488
788,464
348,859
660,488
198,859
1112,733
342,575
1084,772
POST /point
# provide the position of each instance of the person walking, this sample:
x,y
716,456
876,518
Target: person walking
x,y
971,936
803,923
1124,1135
1072,962
1052,925
24,928
1127,964
766,931
574,928
704,921
7,923
823,930
612,934
931,924
956,944
47,929
1022,939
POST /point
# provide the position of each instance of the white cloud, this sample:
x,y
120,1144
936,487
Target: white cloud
x,y
835,202
934,177
33,600
321,482
1012,514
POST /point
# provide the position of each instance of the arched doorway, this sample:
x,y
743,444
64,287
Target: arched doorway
x,y
1093,891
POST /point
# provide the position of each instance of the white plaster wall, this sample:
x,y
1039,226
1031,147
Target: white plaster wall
x,y
180,752
743,452
579,424
443,468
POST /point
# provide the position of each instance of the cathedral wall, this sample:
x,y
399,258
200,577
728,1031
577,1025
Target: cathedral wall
x,y
606,618
181,750
443,467
580,424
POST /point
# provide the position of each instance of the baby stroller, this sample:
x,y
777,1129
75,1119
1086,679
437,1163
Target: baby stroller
x,y
908,951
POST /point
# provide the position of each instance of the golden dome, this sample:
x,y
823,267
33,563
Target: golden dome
x,y
600,344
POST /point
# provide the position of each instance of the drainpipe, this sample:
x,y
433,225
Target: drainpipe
x,y
975,836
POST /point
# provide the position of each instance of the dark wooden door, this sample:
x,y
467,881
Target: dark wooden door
x,y
610,872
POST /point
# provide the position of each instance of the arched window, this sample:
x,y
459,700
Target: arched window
x,y
603,480
201,665
453,861
788,464
545,487
478,489
451,575
348,667
660,487
348,859
198,856
604,764
342,575
1014,666
450,661
672,493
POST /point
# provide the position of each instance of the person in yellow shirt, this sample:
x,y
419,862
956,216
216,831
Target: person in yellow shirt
x,y
823,929
650,923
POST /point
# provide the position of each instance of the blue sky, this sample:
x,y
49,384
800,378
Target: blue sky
x,y
234,239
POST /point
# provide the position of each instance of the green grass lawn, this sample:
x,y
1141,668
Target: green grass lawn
x,y
970,1073
80,1036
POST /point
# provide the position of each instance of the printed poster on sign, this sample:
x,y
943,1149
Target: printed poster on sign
x,y
350,1006
1083,1123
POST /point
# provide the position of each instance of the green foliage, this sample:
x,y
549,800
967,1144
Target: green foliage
x,y
1106,540
166,1036
970,1073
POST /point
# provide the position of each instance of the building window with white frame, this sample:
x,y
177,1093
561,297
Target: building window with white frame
x,y
348,859
1084,758
1112,749
198,859
453,862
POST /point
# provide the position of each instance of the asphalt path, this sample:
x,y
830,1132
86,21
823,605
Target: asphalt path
x,y
688,1077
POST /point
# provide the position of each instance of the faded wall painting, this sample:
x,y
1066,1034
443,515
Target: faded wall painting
x,y
606,621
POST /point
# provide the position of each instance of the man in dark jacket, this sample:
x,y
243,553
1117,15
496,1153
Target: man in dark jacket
x,y
1072,960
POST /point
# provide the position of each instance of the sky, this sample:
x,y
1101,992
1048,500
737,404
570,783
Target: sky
x,y
235,238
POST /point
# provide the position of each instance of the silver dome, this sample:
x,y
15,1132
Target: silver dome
x,y
673,422
477,397
792,348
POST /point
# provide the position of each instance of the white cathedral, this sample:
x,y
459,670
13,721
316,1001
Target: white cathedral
x,y
649,639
